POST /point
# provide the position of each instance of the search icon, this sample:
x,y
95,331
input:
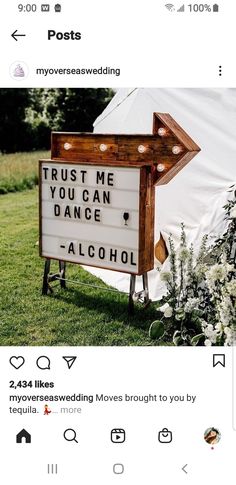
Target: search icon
x,y
70,435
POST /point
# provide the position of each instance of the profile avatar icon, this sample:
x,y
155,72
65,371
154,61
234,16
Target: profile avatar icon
x,y
57,7
19,71
212,436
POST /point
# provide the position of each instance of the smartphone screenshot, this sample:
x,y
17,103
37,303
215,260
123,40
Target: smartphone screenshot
x,y
117,242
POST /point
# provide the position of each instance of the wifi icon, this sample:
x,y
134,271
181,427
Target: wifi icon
x,y
170,7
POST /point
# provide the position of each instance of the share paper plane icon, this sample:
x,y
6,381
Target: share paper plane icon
x,y
70,360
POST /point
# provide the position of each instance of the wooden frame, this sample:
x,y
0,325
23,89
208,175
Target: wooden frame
x,y
159,156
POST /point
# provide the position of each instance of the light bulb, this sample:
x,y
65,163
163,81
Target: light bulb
x,y
67,146
160,167
142,149
162,131
103,147
177,149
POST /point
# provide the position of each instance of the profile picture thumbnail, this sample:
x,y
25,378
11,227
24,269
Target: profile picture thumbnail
x,y
212,436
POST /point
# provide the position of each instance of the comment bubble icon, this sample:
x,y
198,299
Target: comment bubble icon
x,y
43,362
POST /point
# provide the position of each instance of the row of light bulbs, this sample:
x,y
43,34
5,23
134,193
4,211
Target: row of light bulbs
x,y
176,150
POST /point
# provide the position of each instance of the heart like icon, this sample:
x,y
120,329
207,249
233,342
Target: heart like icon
x,y
17,362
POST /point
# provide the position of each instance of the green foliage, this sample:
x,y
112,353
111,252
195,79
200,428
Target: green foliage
x,y
197,339
19,171
73,109
14,129
63,109
227,243
27,116
201,292
156,329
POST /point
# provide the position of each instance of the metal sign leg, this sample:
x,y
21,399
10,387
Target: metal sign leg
x,y
141,296
145,288
131,294
49,278
45,287
62,270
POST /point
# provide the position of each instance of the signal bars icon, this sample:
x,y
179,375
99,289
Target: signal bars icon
x,y
171,7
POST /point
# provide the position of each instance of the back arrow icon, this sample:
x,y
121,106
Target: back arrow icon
x,y
184,468
15,35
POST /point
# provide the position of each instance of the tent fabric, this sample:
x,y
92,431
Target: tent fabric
x,y
197,194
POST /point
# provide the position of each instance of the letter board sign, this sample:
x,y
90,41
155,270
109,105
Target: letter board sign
x,y
93,215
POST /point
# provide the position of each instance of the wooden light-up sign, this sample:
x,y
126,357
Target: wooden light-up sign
x,y
97,194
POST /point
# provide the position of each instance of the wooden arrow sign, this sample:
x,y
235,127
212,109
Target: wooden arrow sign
x,y
176,146
168,150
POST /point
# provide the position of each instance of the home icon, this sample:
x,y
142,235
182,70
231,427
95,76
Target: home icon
x,y
57,7
23,435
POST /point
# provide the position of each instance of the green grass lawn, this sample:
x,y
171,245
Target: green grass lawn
x,y
19,171
75,316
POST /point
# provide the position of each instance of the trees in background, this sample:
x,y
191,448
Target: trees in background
x,y
27,116
13,126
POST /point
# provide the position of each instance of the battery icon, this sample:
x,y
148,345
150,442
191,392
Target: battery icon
x,y
215,8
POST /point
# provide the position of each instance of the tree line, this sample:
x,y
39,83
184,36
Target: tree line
x,y
27,116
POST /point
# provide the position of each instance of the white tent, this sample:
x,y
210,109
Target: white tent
x,y
197,194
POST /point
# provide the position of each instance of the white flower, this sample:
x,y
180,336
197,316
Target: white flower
x,y
231,288
191,305
219,327
166,309
225,311
207,343
163,307
200,270
166,276
211,333
217,272
233,212
168,312
229,336
183,254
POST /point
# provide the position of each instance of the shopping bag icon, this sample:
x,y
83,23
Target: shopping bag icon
x,y
165,436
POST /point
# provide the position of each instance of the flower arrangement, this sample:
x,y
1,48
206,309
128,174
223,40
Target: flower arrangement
x,y
201,289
